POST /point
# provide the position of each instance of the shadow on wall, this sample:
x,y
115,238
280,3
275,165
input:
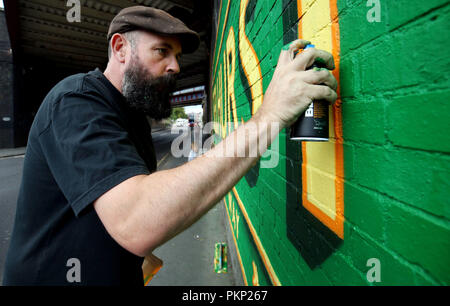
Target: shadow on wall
x,y
252,175
313,240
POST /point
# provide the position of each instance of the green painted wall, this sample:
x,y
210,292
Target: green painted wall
x,y
391,124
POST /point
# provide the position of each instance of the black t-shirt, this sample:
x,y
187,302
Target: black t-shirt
x,y
83,142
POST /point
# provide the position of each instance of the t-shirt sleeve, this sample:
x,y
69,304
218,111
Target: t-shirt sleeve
x,y
88,149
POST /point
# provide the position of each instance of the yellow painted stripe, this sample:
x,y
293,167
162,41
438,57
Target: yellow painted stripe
x,y
250,61
322,167
236,245
262,252
221,40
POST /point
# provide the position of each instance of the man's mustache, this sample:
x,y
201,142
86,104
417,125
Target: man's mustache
x,y
147,93
165,82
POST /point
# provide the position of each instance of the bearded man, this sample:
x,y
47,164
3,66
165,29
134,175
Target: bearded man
x,y
90,197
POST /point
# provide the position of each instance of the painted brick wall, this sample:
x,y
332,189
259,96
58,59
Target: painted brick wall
x,y
370,207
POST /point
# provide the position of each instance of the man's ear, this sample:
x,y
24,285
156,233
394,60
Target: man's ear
x,y
118,47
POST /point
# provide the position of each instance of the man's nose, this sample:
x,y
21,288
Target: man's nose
x,y
173,66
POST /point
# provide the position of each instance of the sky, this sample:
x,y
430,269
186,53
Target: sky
x,y
1,4
191,109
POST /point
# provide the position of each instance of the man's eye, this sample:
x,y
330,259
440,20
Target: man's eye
x,y
161,51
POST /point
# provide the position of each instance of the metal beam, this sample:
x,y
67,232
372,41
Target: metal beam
x,y
58,63
83,45
193,81
84,24
55,28
47,37
85,11
64,49
187,103
186,4
76,59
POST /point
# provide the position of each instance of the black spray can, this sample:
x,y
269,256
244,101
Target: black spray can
x,y
312,125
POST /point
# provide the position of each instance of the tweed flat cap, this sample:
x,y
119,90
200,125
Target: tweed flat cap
x,y
156,21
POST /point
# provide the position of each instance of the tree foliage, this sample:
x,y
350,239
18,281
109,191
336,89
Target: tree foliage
x,y
178,112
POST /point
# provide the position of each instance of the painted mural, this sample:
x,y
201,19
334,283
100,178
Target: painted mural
x,y
288,222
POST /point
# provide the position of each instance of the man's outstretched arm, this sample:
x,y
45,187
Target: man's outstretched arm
x,y
145,211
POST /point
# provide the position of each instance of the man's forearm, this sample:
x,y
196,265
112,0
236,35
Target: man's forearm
x,y
176,198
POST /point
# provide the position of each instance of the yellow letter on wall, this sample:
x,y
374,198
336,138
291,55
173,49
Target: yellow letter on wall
x,y
249,61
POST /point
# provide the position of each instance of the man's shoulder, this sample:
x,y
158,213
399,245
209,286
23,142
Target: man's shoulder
x,y
81,88
85,87
78,83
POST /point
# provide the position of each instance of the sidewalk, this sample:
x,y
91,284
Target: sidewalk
x,y
189,257
12,152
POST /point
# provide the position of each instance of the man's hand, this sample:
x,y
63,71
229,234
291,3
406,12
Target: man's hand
x,y
292,88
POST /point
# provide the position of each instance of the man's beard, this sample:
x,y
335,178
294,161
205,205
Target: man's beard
x,y
148,94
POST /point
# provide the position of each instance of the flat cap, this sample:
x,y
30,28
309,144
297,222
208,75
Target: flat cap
x,y
156,21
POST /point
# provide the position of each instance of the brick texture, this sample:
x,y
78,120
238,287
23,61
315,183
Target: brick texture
x,y
394,79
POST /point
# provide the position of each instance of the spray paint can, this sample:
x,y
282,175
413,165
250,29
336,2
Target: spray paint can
x,y
312,125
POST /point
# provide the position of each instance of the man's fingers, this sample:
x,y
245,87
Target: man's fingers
x,y
318,76
322,92
307,57
288,51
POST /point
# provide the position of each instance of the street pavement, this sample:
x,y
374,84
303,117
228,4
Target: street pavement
x,y
188,257
10,177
